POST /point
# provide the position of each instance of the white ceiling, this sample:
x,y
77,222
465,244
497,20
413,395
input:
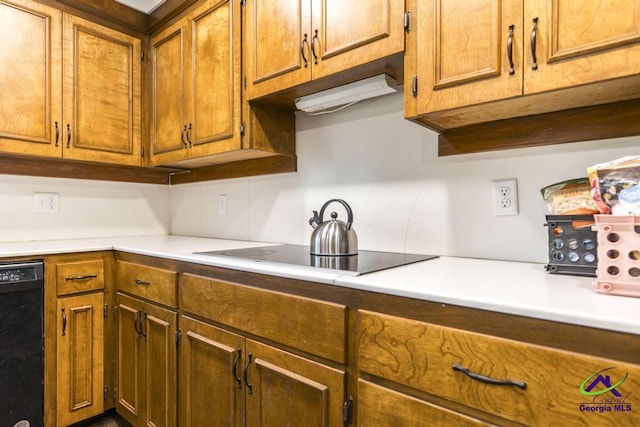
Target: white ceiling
x,y
145,6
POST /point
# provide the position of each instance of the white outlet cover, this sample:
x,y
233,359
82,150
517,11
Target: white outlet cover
x,y
46,203
505,197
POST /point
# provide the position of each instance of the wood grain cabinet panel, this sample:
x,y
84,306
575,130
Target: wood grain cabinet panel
x,y
383,407
287,390
71,88
315,39
79,276
147,363
30,78
313,326
506,59
102,93
80,358
211,364
575,48
537,385
146,282
196,85
459,57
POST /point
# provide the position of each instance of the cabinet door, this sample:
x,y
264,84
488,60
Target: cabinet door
x,y
170,62
346,34
278,45
159,337
102,94
287,390
214,83
30,78
80,358
382,407
581,42
458,52
129,372
211,388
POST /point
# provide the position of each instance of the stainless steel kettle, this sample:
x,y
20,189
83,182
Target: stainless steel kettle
x,y
333,237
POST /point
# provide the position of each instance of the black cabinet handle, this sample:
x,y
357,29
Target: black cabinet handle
x,y
313,47
64,322
534,36
142,282
246,373
57,133
302,50
136,321
143,322
189,135
234,368
68,135
488,380
184,130
512,70
81,278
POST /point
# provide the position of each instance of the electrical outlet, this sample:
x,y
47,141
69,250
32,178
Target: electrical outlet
x,y
505,197
222,204
46,203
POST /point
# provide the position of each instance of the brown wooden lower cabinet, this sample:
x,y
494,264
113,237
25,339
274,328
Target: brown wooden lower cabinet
x,y
383,407
80,358
147,364
497,379
229,380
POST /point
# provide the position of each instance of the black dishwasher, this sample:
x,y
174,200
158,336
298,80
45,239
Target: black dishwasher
x,y
21,344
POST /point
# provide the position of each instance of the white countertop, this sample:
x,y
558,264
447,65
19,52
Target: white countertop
x,y
523,289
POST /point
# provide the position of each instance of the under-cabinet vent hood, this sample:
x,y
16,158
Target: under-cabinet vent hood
x,y
346,95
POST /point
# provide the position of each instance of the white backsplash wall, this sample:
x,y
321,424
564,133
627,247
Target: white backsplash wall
x,y
404,197
87,209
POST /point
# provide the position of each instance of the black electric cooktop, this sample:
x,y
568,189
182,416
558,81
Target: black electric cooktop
x,y
298,255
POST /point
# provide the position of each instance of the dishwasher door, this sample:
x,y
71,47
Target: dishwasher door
x,y
21,344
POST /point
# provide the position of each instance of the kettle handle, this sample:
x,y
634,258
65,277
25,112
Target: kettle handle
x,y
346,206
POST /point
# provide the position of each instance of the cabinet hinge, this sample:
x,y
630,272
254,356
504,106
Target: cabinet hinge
x,y
407,21
142,55
242,128
244,81
106,310
142,152
178,337
106,392
414,86
347,410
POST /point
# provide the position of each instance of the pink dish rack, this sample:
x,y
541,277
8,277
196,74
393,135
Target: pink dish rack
x,y
618,271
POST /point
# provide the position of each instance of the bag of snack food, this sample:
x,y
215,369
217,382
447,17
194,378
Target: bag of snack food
x,y
615,186
571,197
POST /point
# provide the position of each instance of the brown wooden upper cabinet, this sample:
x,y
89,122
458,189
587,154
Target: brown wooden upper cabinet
x,y
462,57
71,88
196,84
291,42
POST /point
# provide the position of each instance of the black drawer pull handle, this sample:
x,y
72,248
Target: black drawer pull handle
x,y
64,322
512,70
81,278
142,282
488,380
534,36
246,374
234,368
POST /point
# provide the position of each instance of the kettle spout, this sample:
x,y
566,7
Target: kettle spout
x,y
315,220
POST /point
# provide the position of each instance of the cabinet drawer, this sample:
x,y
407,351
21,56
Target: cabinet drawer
x,y
313,326
153,284
82,276
559,387
382,407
